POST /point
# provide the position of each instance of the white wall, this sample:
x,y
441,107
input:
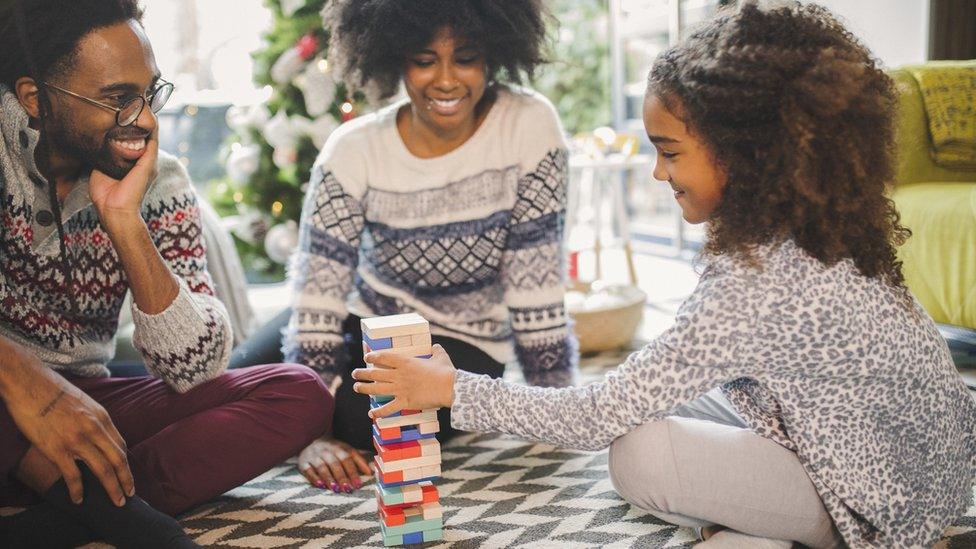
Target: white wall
x,y
896,31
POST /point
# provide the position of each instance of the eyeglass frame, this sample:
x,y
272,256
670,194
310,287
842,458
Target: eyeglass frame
x,y
145,99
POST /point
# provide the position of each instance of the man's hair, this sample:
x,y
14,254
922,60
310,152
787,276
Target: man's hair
x,y
39,38
371,39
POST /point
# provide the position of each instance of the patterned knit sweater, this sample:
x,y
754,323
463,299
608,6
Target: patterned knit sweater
x,y
840,368
69,323
472,240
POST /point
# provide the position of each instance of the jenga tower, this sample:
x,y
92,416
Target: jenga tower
x,y
408,457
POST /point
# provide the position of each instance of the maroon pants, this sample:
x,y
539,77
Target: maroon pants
x,y
185,449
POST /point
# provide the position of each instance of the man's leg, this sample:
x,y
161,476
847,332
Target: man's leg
x,y
185,449
695,472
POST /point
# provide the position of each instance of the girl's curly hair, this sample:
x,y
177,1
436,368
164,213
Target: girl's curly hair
x,y
800,116
371,39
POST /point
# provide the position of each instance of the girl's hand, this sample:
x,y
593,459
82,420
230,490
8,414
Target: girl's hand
x,y
333,464
414,383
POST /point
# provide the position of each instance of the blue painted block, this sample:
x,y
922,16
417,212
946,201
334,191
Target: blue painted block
x,y
413,537
377,344
373,404
379,400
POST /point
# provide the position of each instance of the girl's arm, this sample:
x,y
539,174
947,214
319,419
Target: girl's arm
x,y
711,343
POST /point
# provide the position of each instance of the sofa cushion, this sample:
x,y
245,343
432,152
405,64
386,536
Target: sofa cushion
x,y
940,258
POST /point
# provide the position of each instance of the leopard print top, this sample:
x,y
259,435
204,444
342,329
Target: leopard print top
x,y
844,370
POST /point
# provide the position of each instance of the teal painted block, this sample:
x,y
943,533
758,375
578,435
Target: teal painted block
x,y
412,526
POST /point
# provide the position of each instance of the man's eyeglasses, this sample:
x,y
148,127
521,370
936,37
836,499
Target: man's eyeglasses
x,y
130,110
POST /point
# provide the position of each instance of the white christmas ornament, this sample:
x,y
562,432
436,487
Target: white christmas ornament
x,y
321,129
250,227
241,118
242,162
289,7
281,241
278,132
288,65
318,87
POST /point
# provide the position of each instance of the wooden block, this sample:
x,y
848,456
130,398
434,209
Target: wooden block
x,y
404,341
420,339
415,537
407,450
398,516
414,351
374,404
394,325
406,476
429,427
375,401
407,495
409,527
404,434
403,464
404,421
378,344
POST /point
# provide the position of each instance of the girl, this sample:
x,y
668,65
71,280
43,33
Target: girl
x,y
841,418
449,203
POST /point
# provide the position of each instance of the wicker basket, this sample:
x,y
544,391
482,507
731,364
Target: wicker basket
x,y
608,328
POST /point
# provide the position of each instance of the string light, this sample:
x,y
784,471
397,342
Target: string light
x,y
238,197
346,107
323,65
276,208
183,147
191,110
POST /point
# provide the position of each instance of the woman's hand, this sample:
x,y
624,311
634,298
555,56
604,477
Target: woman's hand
x,y
414,383
333,464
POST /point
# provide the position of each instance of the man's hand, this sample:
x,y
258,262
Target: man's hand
x,y
414,383
65,424
115,198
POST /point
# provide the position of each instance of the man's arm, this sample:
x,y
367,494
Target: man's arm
x,y
119,203
63,423
181,329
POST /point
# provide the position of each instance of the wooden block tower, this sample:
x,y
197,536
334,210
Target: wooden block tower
x,y
408,457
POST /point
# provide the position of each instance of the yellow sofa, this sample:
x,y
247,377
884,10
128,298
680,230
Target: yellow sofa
x,y
939,205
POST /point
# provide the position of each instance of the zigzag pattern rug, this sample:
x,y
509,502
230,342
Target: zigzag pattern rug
x,y
497,492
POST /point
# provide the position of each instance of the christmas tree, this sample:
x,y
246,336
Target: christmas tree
x,y
270,156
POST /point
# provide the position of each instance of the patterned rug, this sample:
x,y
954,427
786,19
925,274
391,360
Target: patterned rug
x,y
497,492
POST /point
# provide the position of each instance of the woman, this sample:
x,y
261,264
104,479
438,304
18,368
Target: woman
x,y
449,203
845,422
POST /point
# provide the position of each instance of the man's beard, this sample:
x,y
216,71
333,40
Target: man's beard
x,y
72,143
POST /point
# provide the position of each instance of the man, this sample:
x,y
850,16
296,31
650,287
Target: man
x,y
88,211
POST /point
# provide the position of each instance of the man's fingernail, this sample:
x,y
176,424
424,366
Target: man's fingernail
x,y
132,492
120,502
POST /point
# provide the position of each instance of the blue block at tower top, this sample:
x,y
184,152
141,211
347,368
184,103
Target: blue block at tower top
x,y
378,344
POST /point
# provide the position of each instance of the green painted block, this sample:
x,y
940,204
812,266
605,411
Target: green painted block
x,y
412,526
416,537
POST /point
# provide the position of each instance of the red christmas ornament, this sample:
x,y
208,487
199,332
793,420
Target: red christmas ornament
x,y
307,46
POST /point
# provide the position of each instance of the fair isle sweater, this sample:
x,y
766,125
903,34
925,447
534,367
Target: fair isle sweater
x,y
844,370
69,323
471,240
